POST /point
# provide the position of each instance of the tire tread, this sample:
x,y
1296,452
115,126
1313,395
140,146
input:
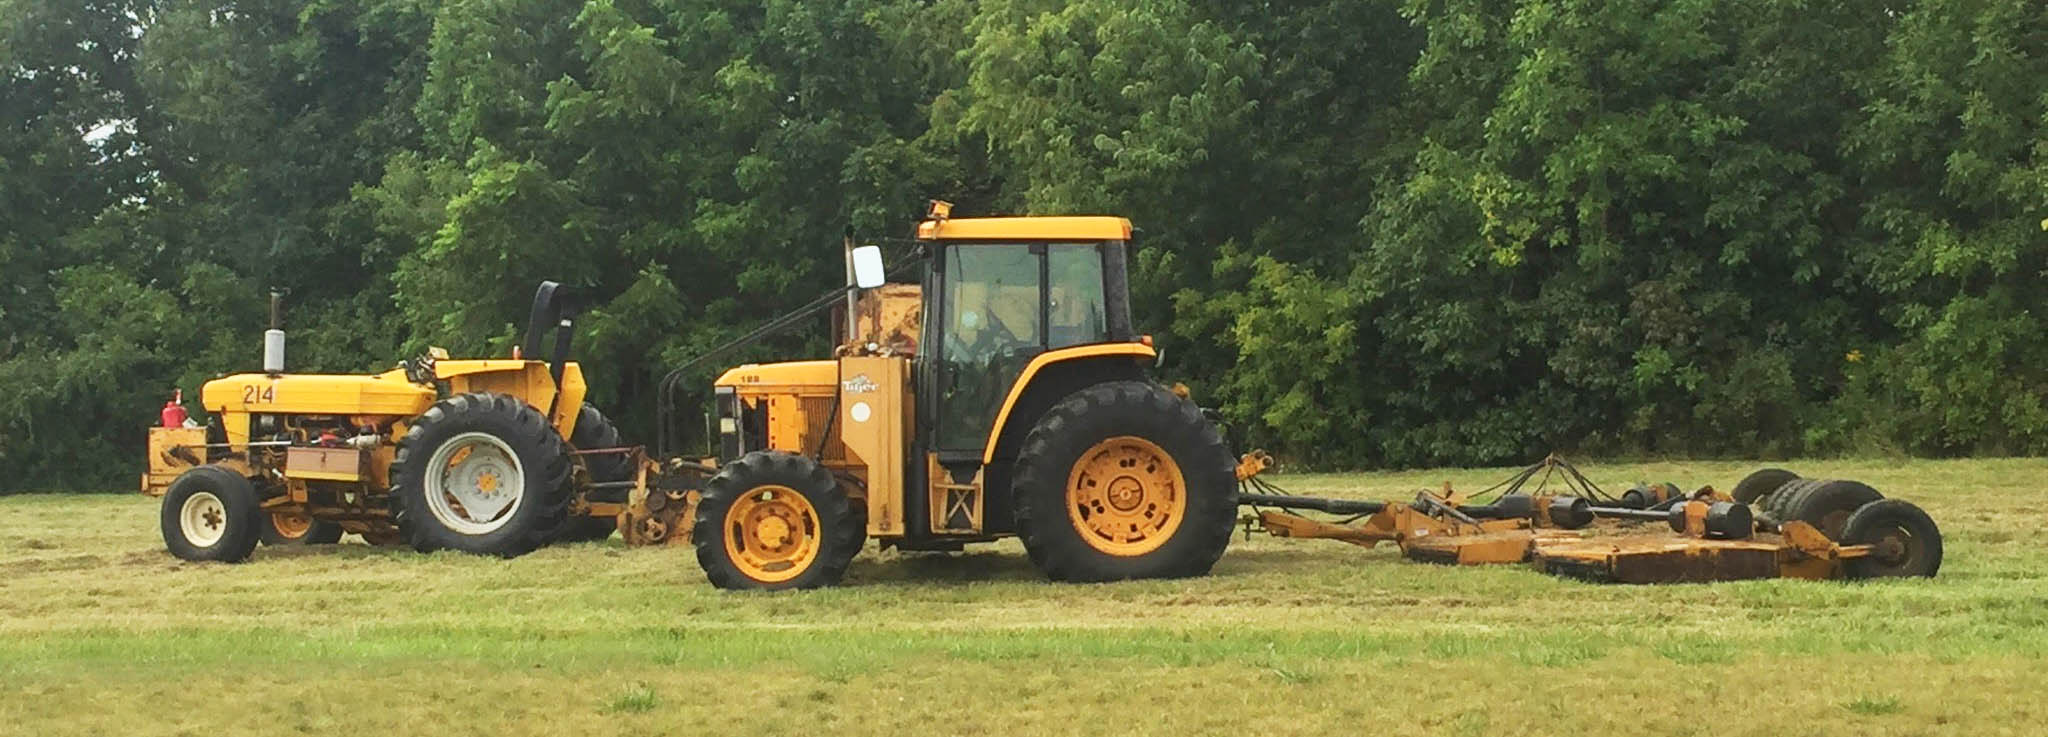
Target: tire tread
x,y
528,433
1065,430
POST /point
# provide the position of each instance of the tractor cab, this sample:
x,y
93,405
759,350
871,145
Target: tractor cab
x,y
999,294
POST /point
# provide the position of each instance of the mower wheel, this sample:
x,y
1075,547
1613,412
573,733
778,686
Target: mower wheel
x,y
292,528
594,431
1760,482
773,520
1773,504
480,473
1905,539
1124,480
1827,505
211,513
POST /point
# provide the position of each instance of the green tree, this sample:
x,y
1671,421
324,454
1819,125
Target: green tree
x,y
1953,151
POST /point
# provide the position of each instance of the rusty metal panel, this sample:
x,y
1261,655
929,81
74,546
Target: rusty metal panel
x,y
324,464
171,451
1625,560
889,319
1510,546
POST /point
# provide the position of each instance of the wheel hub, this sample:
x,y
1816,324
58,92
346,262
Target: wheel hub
x,y
203,519
1126,493
291,526
772,534
1891,548
1126,496
474,483
772,531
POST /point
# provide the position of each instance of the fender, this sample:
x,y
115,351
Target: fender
x,y
529,380
1135,351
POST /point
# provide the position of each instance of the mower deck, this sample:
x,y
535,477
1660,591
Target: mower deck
x,y
1703,537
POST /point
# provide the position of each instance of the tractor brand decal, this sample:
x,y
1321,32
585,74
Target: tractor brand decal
x,y
859,384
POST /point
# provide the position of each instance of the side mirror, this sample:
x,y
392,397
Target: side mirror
x,y
867,267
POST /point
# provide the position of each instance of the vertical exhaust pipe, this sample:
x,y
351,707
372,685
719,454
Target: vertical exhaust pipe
x,y
852,297
273,339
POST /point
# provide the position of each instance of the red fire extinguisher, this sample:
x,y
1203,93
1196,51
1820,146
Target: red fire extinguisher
x,y
174,410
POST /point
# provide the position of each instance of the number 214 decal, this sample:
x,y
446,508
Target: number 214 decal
x,y
253,394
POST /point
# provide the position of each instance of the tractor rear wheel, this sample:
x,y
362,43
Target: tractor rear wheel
x,y
1904,539
1760,482
293,528
1827,505
1124,480
593,431
480,473
211,513
773,520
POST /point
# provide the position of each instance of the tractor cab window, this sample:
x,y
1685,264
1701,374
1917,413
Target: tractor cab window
x,y
1004,304
1076,310
992,328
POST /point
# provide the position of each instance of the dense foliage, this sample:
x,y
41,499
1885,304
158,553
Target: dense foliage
x,y
1388,232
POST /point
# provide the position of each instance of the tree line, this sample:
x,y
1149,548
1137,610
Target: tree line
x,y
1374,233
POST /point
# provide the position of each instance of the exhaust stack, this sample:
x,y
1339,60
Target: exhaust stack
x,y
273,339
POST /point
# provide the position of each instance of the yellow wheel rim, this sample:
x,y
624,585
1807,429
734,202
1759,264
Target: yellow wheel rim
x,y
771,534
291,526
1126,496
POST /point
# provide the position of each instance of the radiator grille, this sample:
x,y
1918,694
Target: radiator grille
x,y
818,417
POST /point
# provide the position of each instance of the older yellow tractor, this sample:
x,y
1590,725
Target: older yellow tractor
x,y
486,456
1003,394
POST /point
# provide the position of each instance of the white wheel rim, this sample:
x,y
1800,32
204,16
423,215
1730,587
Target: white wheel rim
x,y
474,483
203,519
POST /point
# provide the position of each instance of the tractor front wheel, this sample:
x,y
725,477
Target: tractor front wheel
x,y
1124,480
211,513
774,520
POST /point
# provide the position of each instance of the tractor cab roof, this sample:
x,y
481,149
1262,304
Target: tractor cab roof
x,y
1062,228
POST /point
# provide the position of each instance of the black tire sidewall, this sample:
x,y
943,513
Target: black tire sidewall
x,y
841,531
1829,496
244,512
1113,409
594,431
1869,521
1776,503
544,465
1760,483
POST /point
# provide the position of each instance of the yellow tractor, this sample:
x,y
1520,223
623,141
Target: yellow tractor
x,y
1003,394
440,454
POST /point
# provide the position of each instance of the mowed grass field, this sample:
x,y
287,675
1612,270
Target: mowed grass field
x,y
103,633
